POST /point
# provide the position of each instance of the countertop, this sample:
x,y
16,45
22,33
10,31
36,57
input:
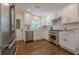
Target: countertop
x,y
37,30
58,30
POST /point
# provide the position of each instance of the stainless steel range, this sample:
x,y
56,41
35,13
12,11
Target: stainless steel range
x,y
55,28
54,36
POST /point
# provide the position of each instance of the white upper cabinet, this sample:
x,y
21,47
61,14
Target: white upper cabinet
x,y
70,14
27,19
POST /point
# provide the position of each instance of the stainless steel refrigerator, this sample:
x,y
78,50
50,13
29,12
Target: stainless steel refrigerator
x,y
5,29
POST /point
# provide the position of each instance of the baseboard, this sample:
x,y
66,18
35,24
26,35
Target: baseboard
x,y
74,52
39,39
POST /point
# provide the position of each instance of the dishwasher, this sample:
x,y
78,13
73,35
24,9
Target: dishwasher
x,y
28,36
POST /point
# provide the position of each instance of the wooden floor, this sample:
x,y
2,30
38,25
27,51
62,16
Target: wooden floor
x,y
41,47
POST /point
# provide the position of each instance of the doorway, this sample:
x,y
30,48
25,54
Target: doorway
x,y
19,29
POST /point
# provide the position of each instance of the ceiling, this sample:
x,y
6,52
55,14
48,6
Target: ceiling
x,y
40,8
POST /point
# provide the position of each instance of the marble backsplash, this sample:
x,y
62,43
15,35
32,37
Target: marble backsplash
x,y
74,26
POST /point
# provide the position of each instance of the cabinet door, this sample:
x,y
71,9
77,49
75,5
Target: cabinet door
x,y
70,14
72,42
62,39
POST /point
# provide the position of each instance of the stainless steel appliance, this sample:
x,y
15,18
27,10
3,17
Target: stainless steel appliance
x,y
55,29
7,35
54,36
28,36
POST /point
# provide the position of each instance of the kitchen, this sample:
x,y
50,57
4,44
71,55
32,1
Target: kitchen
x,y
60,27
42,28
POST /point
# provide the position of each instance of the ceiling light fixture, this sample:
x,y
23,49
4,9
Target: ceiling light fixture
x,y
36,6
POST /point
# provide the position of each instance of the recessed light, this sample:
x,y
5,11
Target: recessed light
x,y
45,12
28,10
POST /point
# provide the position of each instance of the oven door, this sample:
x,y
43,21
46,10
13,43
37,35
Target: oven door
x,y
52,37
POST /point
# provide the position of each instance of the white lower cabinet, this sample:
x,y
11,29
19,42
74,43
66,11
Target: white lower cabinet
x,y
69,40
40,34
62,40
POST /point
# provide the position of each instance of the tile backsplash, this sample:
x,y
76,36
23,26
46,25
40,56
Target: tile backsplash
x,y
72,26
